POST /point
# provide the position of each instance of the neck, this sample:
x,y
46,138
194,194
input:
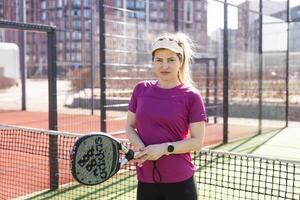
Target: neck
x,y
167,84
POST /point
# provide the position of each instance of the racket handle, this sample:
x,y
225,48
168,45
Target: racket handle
x,y
128,156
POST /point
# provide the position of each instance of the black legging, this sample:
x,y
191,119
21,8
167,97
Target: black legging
x,y
185,190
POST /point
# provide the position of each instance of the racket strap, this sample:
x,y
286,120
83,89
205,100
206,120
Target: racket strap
x,y
156,171
129,155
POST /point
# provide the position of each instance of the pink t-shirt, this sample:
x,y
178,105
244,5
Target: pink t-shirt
x,y
163,115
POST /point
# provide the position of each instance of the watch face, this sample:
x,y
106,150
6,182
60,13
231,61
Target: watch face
x,y
170,148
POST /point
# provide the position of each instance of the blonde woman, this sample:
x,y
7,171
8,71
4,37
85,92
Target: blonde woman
x,y
161,113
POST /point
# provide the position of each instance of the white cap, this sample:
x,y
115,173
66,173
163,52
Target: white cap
x,y
165,43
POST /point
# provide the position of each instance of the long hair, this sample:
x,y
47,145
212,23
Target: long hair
x,y
185,42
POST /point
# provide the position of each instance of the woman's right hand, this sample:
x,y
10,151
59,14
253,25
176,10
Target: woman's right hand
x,y
151,152
139,159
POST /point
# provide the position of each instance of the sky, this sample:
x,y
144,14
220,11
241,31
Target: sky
x,y
215,13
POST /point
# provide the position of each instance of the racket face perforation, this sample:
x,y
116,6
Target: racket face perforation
x,y
94,159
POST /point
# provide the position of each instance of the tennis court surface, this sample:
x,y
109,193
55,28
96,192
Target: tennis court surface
x,y
33,161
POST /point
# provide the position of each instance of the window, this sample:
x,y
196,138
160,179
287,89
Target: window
x,y
198,5
43,16
59,13
198,16
140,5
76,24
75,13
118,3
205,6
78,56
59,3
153,15
153,5
87,24
87,35
68,35
76,3
86,3
118,13
162,5
61,35
87,13
188,11
43,5
130,15
76,35
51,4
140,15
130,4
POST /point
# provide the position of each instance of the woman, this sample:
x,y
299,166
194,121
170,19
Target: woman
x,y
161,113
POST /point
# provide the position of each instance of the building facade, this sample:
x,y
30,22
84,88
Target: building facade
x,y
77,23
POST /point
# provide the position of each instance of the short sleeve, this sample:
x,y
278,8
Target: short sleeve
x,y
197,110
133,101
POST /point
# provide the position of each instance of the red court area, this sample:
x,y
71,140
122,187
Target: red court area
x,y
24,167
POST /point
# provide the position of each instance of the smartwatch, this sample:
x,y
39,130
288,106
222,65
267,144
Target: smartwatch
x,y
170,148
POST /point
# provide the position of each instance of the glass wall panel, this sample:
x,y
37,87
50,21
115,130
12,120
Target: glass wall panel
x,y
294,61
214,70
274,64
243,70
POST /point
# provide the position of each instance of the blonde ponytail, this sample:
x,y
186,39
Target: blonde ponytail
x,y
185,75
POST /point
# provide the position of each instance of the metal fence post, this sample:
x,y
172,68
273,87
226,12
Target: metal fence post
x,y
176,25
287,66
207,80
22,36
260,69
52,76
225,75
102,65
92,58
216,89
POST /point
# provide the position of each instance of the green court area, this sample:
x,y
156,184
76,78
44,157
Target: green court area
x,y
121,186
230,171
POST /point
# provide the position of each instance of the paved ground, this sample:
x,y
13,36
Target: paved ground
x,y
36,95
281,143
286,144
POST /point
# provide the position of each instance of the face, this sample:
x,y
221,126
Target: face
x,y
166,65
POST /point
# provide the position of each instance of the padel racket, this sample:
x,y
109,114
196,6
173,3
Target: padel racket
x,y
96,157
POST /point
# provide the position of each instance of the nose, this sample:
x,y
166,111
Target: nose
x,y
165,65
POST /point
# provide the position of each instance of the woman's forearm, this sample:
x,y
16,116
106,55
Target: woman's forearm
x,y
133,137
186,146
155,151
194,143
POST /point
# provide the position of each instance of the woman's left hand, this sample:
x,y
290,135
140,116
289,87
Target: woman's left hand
x,y
153,152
